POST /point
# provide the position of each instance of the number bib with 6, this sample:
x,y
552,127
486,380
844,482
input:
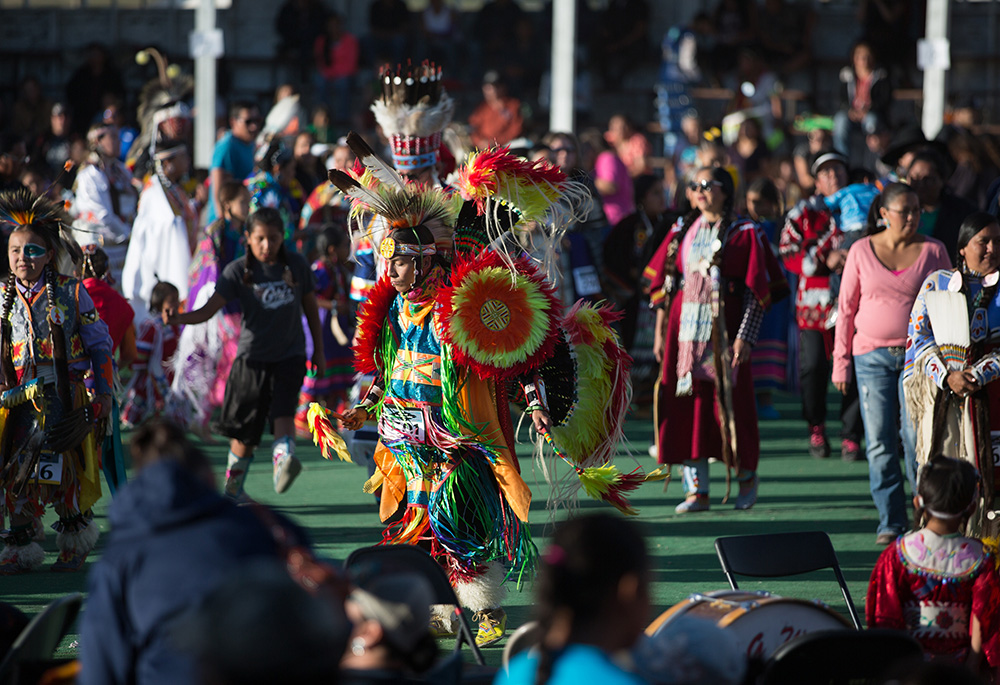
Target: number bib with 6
x,y
50,468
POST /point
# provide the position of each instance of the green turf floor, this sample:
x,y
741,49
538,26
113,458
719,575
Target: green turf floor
x,y
796,493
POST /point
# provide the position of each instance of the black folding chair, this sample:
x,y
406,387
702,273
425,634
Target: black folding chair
x,y
40,638
781,554
839,657
411,559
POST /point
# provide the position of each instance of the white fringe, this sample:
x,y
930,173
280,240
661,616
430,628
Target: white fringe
x,y
80,542
485,591
421,120
196,360
29,557
957,436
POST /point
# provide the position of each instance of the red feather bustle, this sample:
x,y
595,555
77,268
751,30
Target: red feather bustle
x,y
371,319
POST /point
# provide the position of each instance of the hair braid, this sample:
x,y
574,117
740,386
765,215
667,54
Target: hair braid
x,y
685,223
58,338
728,216
548,600
918,517
577,585
286,272
248,266
984,296
6,331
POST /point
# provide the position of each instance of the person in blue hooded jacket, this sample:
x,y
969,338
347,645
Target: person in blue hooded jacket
x,y
174,540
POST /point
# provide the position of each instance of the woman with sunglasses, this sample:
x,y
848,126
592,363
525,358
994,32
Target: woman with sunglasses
x,y
949,388
711,280
882,276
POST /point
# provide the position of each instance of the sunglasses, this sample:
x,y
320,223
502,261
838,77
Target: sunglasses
x,y
703,186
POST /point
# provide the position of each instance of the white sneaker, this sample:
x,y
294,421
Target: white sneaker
x,y
286,468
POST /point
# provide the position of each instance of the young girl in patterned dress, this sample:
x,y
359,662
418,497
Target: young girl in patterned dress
x,y
937,585
148,391
332,272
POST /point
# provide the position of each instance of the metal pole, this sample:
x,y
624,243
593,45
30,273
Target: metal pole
x,y
934,76
989,99
204,89
563,65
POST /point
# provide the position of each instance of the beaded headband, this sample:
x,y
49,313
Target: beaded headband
x,y
390,248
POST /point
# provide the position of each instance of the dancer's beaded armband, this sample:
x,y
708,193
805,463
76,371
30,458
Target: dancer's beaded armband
x,y
534,393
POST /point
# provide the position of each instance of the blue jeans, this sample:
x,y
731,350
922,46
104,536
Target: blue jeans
x,y
336,95
883,411
843,127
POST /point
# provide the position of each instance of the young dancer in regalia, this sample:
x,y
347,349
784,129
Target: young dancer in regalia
x,y
455,326
50,337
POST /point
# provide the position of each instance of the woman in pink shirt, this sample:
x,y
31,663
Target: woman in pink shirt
x,y
881,279
612,180
336,53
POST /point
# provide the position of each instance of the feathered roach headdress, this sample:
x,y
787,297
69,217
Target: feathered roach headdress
x,y
375,188
500,191
22,209
412,110
163,113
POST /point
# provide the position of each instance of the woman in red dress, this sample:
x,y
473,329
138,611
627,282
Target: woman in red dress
x,y
711,279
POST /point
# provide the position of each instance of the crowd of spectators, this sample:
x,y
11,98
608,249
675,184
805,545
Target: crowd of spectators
x,y
823,172
282,158
736,43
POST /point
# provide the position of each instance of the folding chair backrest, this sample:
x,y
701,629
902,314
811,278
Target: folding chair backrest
x,y
40,638
380,559
839,657
778,554
781,554
524,638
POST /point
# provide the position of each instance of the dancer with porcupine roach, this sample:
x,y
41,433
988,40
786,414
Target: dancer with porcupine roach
x,y
51,336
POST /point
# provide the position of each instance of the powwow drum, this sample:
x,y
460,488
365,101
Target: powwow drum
x,y
761,622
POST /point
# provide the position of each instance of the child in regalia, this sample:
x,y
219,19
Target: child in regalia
x,y
148,392
936,584
332,273
50,333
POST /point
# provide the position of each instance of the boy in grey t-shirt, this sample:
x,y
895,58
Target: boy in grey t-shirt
x,y
271,329
274,288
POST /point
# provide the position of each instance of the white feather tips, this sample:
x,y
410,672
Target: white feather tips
x,y
422,119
